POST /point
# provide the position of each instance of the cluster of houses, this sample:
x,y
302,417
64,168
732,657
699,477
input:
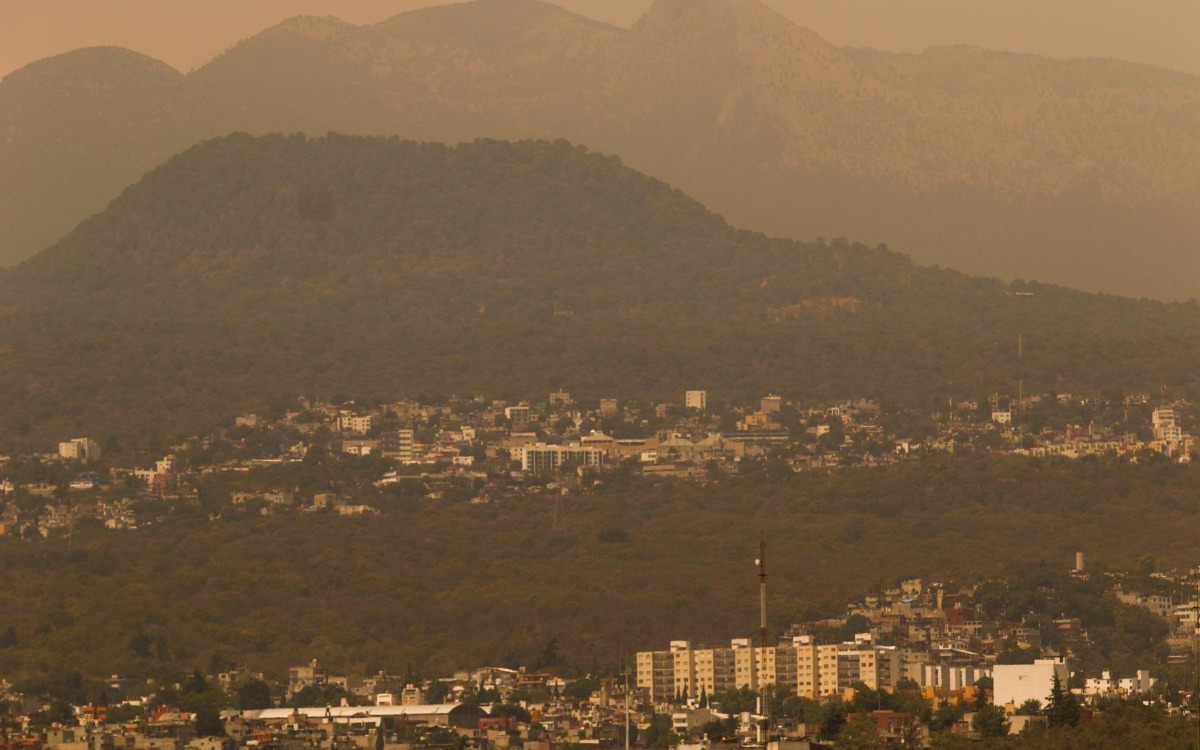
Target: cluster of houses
x,y
919,639
487,448
929,638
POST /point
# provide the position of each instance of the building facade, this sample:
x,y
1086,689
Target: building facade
x,y
811,670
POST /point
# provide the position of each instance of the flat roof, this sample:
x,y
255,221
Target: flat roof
x,y
347,712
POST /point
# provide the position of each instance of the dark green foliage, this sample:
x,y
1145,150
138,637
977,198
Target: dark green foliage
x,y
208,722
1062,708
1031,707
720,729
736,701
437,692
860,734
946,716
520,713
990,721
254,694
246,270
327,695
282,590
659,735
581,690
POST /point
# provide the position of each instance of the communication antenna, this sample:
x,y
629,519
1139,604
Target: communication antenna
x,y
761,562
1020,374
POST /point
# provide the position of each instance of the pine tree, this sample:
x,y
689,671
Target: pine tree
x,y
1062,710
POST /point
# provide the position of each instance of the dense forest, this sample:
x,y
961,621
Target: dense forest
x,y
249,270
445,584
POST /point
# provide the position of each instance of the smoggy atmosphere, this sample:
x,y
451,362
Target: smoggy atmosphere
x,y
187,33
626,375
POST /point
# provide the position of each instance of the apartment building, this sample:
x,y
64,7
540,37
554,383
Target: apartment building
x,y
799,664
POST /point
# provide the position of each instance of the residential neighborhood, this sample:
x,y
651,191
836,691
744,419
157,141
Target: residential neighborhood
x,y
905,661
481,449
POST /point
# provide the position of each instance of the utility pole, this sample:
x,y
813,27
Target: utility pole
x,y
625,670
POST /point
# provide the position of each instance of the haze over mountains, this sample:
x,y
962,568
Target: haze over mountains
x,y
247,271
1084,173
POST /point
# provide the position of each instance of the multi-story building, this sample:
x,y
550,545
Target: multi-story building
x,y
355,424
1166,424
540,458
800,665
1017,683
397,444
79,449
696,400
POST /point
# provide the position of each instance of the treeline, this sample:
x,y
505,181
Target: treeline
x,y
448,584
251,269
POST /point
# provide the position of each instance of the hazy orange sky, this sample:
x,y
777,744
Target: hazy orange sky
x,y
187,33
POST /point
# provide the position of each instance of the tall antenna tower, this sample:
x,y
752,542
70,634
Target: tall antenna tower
x,y
1020,374
761,562
763,705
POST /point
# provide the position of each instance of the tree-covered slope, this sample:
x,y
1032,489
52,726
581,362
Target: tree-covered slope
x,y
1074,172
247,269
78,128
442,585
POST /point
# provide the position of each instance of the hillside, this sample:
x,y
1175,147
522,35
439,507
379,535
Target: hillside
x,y
442,586
78,128
250,269
1079,172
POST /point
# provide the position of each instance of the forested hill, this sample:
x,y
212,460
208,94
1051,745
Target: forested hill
x,y
1078,172
247,270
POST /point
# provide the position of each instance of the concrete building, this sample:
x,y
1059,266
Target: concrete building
x,y
79,449
397,444
355,424
947,677
540,458
1016,683
1166,424
810,669
695,400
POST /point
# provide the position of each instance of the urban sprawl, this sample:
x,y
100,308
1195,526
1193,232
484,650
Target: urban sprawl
x,y
906,659
480,449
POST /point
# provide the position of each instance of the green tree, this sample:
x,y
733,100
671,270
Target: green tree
x,y
860,734
990,721
253,695
1031,707
208,722
1062,709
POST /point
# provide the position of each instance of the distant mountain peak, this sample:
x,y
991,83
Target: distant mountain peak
x,y
488,15
313,27
91,63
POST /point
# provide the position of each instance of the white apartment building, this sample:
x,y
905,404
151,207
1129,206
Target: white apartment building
x,y
540,458
1017,683
696,400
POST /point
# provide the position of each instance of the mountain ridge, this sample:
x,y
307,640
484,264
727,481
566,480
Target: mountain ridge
x,y
994,163
251,268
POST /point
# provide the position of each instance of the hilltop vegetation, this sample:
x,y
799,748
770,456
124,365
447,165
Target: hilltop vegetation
x,y
248,270
1075,172
449,584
